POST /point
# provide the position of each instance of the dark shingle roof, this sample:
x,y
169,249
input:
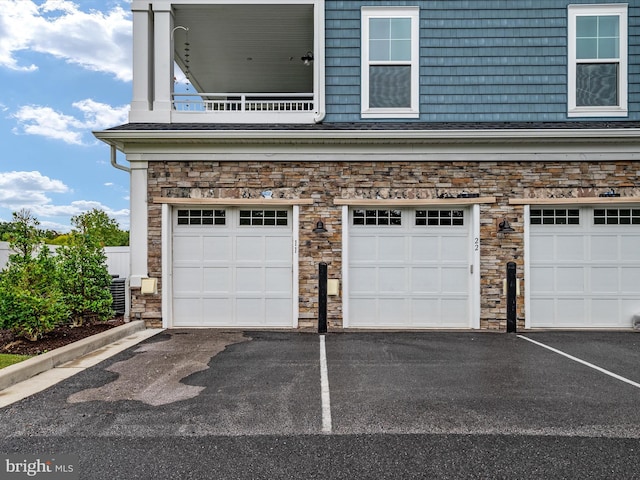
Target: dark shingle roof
x,y
382,126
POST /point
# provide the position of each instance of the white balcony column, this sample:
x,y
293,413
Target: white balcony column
x,y
163,61
142,54
138,223
318,62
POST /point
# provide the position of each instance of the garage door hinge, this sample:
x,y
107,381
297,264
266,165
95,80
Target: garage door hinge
x,y
471,269
295,246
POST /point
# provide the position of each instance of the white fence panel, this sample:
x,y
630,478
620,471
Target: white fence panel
x,y
117,258
4,254
118,261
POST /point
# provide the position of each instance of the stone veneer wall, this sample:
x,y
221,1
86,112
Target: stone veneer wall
x,y
324,181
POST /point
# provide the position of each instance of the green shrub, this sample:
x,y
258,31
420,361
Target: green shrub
x,y
84,279
31,301
39,291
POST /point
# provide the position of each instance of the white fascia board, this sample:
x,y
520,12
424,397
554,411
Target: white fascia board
x,y
120,136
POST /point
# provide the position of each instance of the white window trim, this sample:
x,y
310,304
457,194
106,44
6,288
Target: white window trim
x,y
391,12
620,110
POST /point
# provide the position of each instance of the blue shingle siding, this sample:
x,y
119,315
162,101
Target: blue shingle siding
x,y
480,60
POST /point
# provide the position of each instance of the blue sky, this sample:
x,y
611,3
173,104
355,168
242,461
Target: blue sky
x,y
65,70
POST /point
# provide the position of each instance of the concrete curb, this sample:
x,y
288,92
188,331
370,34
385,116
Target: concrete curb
x,y
29,368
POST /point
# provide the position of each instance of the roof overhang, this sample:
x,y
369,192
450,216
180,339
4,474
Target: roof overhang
x,y
130,136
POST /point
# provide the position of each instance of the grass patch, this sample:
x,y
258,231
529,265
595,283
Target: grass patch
x,y
7,359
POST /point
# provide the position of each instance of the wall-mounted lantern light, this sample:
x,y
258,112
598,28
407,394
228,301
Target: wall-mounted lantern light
x,y
505,227
319,227
307,58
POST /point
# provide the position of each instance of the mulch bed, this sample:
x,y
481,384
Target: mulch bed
x,y
57,338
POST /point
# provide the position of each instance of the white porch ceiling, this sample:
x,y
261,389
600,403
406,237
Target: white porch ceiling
x,y
246,48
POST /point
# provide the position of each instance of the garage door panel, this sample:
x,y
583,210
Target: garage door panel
x,y
216,279
363,312
572,310
391,249
426,312
543,249
605,312
604,248
392,311
190,308
425,280
184,248
630,279
593,278
392,280
542,279
187,280
629,307
249,249
363,248
277,280
570,279
454,280
249,280
249,311
418,277
630,247
216,249
363,280
451,247
230,270
278,250
569,248
604,280
544,309
425,249
278,308
457,311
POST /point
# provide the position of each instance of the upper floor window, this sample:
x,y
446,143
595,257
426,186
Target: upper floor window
x,y
597,63
390,53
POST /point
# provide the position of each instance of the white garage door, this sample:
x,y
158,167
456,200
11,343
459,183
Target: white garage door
x,y
232,267
584,267
409,268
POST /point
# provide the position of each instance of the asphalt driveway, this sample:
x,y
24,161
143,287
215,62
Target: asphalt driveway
x,y
214,404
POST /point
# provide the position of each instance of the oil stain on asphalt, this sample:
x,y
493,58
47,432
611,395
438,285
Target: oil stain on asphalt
x,y
153,376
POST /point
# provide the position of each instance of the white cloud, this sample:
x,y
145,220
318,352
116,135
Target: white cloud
x,y
32,190
27,189
44,121
75,208
61,29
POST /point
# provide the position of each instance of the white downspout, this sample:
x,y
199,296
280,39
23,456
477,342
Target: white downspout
x,y
115,163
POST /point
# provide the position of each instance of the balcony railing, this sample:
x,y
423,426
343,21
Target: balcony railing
x,y
243,102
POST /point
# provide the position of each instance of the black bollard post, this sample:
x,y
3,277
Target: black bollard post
x,y
511,297
322,298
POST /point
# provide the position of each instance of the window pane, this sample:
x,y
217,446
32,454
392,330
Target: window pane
x,y
596,84
389,86
587,48
379,28
400,50
608,26
379,50
390,39
608,48
597,37
400,28
587,26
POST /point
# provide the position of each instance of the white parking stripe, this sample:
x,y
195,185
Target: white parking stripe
x,y
575,359
324,388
